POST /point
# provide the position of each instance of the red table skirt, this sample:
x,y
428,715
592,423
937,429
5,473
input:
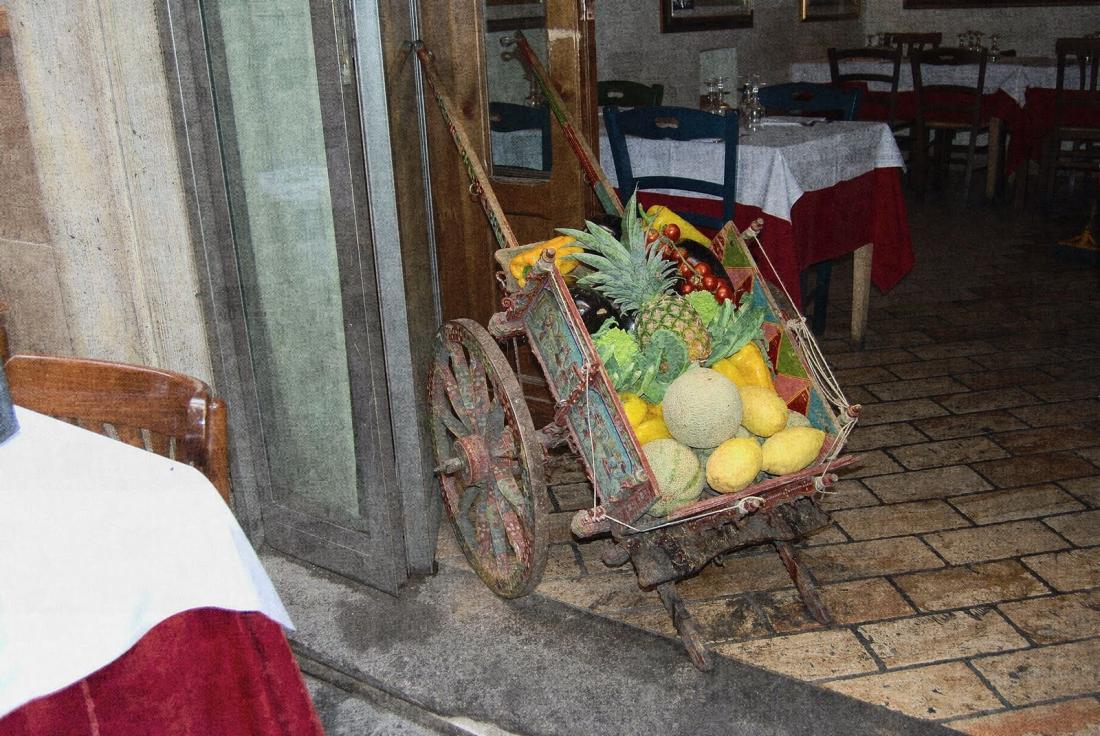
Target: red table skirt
x,y
204,672
875,106
1037,122
826,224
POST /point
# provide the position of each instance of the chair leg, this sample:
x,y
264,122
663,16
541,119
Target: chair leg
x,y
993,160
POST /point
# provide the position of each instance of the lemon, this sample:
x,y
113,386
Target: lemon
x,y
792,449
763,412
734,464
652,429
635,407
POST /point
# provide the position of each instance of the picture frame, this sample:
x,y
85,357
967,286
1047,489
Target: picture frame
x,y
678,16
950,4
830,10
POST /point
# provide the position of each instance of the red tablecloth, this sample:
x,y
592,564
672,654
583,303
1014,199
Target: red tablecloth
x,y
875,106
1037,121
205,672
826,224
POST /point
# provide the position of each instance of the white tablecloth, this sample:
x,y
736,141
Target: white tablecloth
x,y
1012,75
100,542
776,164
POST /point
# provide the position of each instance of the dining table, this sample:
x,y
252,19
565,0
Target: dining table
x,y
1018,100
823,189
131,601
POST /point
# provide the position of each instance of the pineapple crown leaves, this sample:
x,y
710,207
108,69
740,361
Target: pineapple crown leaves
x,y
620,267
733,328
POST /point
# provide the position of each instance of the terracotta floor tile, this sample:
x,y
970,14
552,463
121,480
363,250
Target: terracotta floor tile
x,y
932,483
859,395
731,618
894,520
928,368
847,494
963,546
1047,439
1070,369
1071,390
900,411
941,636
933,692
1013,359
916,388
883,435
871,462
1057,618
1092,454
572,496
562,562
826,535
941,350
867,358
984,380
1035,675
785,611
857,601
1074,570
947,452
1031,469
861,375
1080,717
866,559
1069,412
987,400
736,575
558,527
970,585
1086,489
1082,529
601,593
1015,503
809,656
968,425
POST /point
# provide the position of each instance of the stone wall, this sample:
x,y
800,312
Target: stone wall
x,y
630,45
1030,31
95,251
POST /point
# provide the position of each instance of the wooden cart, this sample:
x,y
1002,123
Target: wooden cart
x,y
491,458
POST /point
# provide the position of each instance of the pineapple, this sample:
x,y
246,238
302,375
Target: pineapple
x,y
638,280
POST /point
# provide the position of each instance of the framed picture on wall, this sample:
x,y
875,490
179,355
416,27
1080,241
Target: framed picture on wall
x,y
704,15
947,4
830,9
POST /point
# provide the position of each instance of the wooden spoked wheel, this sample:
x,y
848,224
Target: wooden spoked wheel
x,y
489,461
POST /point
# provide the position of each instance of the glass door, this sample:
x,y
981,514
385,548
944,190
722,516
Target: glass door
x,y
286,108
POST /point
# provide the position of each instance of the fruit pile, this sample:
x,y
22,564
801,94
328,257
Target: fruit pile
x,y
686,361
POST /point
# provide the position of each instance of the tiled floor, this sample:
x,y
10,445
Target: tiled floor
x,y
963,562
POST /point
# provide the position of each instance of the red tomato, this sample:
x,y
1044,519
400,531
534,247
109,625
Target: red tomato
x,y
702,268
686,288
672,232
686,269
651,235
723,293
710,282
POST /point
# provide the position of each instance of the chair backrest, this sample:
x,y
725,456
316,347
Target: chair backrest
x,y
623,93
678,124
508,117
158,410
1081,102
910,42
801,98
859,68
958,101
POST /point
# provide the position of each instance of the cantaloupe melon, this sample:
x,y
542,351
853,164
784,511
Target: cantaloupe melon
x,y
702,408
678,474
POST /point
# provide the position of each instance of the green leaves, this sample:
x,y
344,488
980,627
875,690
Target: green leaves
x,y
732,328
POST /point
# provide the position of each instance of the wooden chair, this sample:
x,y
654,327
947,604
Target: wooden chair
x,y
949,109
849,68
1074,141
811,98
508,117
679,124
910,42
623,93
158,410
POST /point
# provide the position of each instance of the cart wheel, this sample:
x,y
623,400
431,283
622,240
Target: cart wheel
x,y
489,460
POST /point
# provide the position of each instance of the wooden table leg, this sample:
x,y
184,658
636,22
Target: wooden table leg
x,y
861,291
993,161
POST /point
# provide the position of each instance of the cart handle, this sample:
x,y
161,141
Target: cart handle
x,y
590,163
480,187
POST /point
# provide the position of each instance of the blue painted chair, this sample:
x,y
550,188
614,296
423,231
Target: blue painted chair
x,y
507,117
811,98
832,103
624,93
678,124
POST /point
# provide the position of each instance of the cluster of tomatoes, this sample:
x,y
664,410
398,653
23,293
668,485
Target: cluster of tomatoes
x,y
696,274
